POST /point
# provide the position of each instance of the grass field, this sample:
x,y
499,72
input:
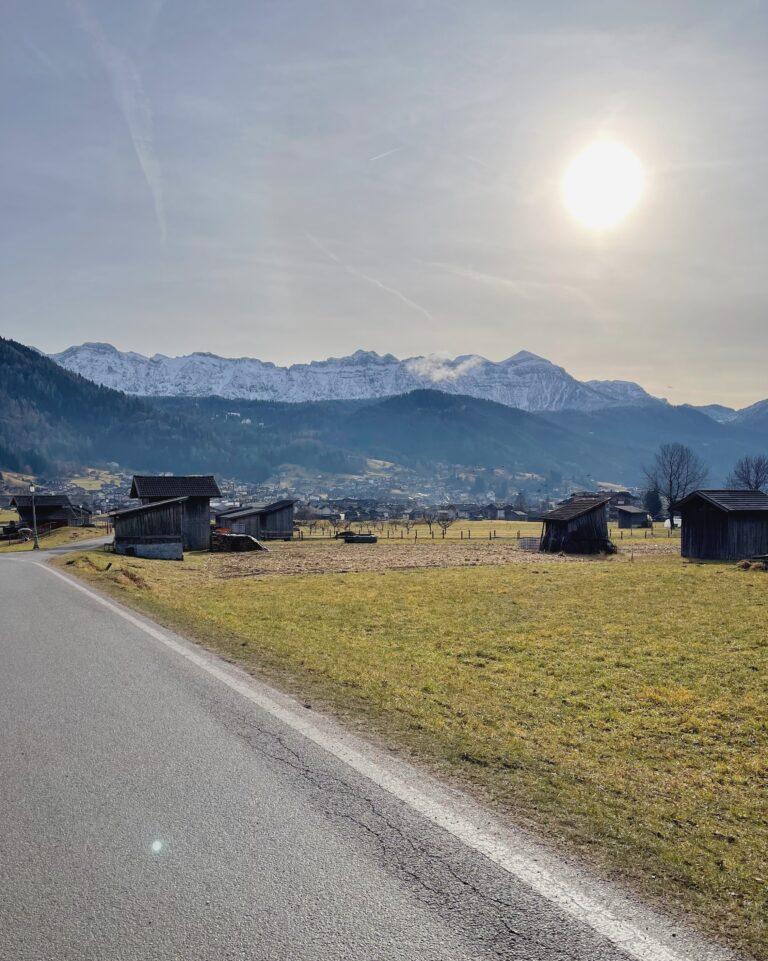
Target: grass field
x,y
7,516
619,707
463,530
57,538
94,479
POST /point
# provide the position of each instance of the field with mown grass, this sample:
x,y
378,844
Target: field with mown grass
x,y
618,706
94,479
463,530
7,516
57,538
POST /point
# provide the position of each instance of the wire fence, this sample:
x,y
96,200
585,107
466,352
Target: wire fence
x,y
422,532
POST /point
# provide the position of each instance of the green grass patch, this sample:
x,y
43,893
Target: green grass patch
x,y
620,707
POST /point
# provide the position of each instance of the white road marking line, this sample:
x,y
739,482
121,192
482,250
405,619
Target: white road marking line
x,y
574,899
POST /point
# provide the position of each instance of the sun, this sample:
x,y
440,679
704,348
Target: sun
x,y
603,184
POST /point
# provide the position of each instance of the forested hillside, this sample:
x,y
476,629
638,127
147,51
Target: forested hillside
x,y
51,419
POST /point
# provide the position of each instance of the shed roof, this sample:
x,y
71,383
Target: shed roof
x,y
196,485
575,508
236,513
730,500
156,505
630,509
41,500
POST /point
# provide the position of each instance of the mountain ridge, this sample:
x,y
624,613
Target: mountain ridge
x,y
51,418
523,380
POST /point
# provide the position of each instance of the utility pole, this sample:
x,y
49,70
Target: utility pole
x,y
36,545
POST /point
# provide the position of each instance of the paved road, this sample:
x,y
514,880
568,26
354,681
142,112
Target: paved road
x,y
148,810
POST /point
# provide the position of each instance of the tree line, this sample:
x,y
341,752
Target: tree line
x,y
677,471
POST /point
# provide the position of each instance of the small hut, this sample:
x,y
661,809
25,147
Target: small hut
x,y
724,525
263,521
630,517
152,530
51,510
197,491
577,527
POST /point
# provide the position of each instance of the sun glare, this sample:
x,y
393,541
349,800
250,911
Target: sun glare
x,y
603,184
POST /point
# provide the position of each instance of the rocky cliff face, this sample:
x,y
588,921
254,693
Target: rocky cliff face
x,y
524,380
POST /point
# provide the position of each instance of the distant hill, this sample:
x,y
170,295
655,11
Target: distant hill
x,y
50,417
634,434
753,417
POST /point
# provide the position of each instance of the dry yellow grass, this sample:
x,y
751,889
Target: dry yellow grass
x,y
619,706
94,479
480,530
57,538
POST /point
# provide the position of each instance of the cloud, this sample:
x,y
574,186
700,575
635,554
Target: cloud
x,y
371,280
440,369
134,106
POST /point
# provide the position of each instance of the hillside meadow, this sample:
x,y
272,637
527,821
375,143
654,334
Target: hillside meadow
x,y
618,706
61,537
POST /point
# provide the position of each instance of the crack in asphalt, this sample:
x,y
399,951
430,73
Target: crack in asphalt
x,y
329,785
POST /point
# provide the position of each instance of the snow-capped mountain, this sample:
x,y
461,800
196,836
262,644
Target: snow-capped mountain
x,y
524,380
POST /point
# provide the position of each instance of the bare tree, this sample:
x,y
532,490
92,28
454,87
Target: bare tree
x,y
676,471
444,521
750,474
407,523
429,517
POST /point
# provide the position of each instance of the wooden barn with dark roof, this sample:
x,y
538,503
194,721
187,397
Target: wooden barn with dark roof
x,y
197,491
630,517
577,527
151,530
51,510
263,521
724,525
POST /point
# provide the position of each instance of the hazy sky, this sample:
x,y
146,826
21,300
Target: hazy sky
x,y
293,179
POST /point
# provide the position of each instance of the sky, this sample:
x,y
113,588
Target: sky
x,y
297,179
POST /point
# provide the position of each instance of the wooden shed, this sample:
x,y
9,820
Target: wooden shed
x,y
152,530
630,517
268,522
724,525
196,490
577,527
51,510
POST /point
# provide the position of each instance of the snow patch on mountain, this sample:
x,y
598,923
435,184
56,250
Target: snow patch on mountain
x,y
524,380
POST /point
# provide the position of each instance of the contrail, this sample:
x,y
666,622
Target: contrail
x,y
134,105
526,289
387,153
371,280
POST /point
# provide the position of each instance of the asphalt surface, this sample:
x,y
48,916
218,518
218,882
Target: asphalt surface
x,y
149,811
